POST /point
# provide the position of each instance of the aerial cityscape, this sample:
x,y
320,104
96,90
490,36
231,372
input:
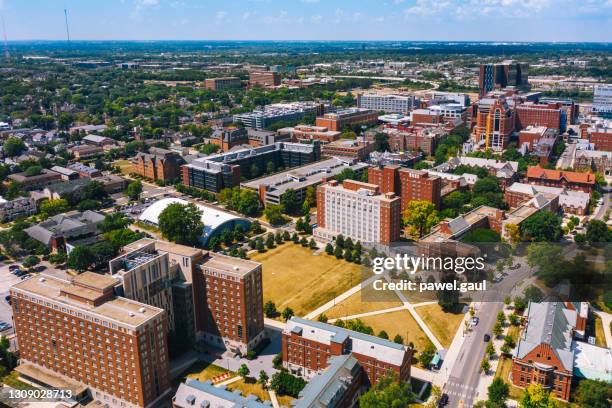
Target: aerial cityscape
x,y
308,204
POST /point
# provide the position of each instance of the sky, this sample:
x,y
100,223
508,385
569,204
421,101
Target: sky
x,y
427,20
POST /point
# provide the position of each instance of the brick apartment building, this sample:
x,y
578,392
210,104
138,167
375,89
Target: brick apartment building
x,y
229,137
540,141
349,149
264,79
357,210
37,181
407,184
498,119
158,164
230,303
308,345
218,84
426,116
77,334
338,120
410,138
552,116
558,178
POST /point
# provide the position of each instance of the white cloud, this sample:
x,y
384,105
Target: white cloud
x,y
316,19
310,1
220,15
146,3
281,17
427,7
466,9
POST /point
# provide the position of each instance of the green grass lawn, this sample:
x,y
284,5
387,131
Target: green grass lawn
x,y
294,277
251,387
443,324
203,371
366,300
402,323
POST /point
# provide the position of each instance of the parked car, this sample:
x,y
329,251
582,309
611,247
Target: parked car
x,y
475,321
13,267
487,338
443,401
4,326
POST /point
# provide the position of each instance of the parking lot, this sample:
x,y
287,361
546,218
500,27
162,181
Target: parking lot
x,y
7,279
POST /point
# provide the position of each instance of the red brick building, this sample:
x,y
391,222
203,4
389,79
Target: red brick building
x,y
426,116
558,178
228,137
338,120
602,139
307,346
497,119
551,116
158,164
217,84
78,335
350,149
264,79
407,184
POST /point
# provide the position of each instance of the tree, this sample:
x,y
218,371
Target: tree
x,y
381,142
501,317
244,371
33,171
593,394
543,226
274,214
498,329
597,232
322,318
533,294
420,216
31,261
50,208
289,201
427,355
498,392
270,309
270,241
13,146
490,350
133,190
263,379
181,223
398,339
312,244
287,313
80,258
536,397
387,392
329,250
485,365
338,252
383,335
284,383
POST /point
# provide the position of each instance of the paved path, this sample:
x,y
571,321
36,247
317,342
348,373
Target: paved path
x,y
606,319
372,313
231,380
322,309
275,403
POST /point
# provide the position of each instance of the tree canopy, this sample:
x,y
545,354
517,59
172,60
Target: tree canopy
x,y
181,223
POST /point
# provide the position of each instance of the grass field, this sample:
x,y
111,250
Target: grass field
x,y
444,325
503,371
203,371
294,277
124,165
364,301
401,323
600,337
250,388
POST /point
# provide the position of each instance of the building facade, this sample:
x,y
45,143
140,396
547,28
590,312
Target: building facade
x,y
158,164
558,178
78,331
338,120
357,210
219,84
496,76
407,184
392,103
602,100
264,79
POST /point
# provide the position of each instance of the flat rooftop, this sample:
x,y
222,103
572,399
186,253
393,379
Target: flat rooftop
x,y
229,264
122,310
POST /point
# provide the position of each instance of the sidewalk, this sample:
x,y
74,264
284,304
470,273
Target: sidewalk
x,y
322,309
606,319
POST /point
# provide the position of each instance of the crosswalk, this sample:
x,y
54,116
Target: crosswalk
x,y
458,391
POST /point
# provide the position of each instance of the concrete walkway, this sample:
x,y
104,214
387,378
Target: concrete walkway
x,y
231,380
372,313
322,309
606,319
275,403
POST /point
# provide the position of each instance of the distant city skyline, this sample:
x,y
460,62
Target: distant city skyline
x,y
427,20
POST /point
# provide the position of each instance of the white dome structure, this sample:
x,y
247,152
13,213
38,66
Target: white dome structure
x,y
215,221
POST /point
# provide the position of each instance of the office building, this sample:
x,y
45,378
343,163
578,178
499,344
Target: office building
x,y
308,133
495,122
439,97
392,103
348,149
426,117
219,84
551,116
338,120
496,76
265,79
571,109
36,181
228,137
263,118
557,178
158,164
407,184
79,335
602,100
308,345
226,170
357,210
271,188
601,137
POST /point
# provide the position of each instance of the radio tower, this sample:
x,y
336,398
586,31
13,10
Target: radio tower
x,y
6,50
67,30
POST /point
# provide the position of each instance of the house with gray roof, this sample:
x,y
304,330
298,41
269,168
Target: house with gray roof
x,y
197,394
55,231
